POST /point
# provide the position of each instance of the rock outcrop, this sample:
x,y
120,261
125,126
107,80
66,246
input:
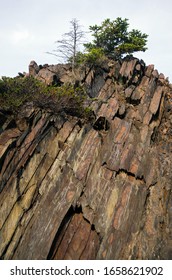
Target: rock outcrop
x,y
51,74
100,190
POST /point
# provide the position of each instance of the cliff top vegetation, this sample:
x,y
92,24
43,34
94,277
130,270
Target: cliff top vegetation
x,y
111,40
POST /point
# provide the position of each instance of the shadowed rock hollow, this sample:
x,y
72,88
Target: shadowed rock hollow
x,y
95,190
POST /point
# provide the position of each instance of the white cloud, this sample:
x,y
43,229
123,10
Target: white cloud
x,y
19,36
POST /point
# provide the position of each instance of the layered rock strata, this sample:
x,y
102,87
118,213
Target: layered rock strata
x,y
95,190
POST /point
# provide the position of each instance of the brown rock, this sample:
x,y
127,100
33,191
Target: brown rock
x,y
33,68
155,102
149,70
128,68
46,76
77,189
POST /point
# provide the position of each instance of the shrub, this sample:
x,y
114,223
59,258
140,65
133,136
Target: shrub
x,y
65,98
95,56
14,92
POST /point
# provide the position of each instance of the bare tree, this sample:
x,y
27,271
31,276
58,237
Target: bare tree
x,y
68,46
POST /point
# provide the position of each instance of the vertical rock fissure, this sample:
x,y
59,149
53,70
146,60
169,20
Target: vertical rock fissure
x,y
60,234
64,244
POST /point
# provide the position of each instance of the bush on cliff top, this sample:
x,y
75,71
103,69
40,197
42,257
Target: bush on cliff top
x,y
14,92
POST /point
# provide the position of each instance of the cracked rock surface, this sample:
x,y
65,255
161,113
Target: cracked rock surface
x,y
102,190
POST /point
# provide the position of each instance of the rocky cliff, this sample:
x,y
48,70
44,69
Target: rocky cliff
x,y
90,190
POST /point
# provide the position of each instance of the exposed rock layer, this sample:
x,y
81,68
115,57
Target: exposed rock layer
x,y
101,190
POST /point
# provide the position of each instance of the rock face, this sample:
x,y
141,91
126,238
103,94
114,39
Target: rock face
x,y
102,190
51,74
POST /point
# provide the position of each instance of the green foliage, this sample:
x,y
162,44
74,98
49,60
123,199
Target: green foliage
x,y
14,92
113,38
94,56
79,58
66,98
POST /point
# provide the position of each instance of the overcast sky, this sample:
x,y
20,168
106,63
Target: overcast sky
x,y
29,28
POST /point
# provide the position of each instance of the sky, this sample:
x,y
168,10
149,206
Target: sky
x,y
29,29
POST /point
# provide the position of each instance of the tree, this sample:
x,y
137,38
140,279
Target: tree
x,y
67,47
115,40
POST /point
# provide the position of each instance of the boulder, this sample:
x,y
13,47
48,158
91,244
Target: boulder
x,y
33,68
